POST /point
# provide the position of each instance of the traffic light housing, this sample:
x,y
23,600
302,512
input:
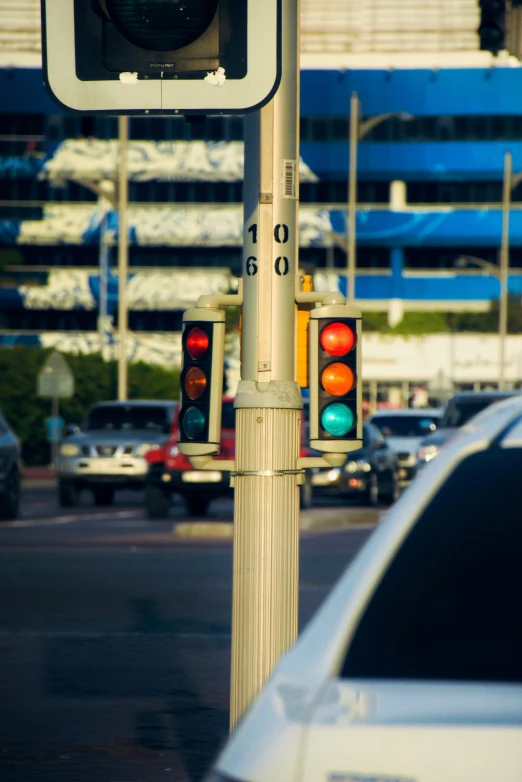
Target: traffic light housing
x,y
201,382
493,25
161,56
335,378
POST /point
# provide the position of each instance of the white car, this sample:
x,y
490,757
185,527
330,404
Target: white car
x,y
411,671
404,430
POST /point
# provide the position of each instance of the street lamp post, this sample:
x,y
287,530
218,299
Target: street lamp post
x,y
507,188
358,130
123,257
501,272
352,195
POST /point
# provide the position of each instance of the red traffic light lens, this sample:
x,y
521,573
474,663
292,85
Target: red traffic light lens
x,y
195,383
337,379
197,343
337,339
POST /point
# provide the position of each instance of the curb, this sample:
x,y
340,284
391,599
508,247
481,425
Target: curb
x,y
38,478
38,483
204,529
324,520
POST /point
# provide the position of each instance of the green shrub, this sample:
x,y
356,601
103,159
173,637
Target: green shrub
x,y
419,323
95,381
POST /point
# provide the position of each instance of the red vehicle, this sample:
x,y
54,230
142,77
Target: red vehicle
x,y
171,473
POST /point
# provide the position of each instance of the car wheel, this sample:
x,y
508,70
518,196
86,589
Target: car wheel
x,y
371,494
157,502
10,500
306,493
390,497
197,506
103,495
67,494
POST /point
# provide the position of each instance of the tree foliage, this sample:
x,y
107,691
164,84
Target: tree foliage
x,y
95,381
419,323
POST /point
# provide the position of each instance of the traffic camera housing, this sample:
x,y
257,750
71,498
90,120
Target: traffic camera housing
x,y
335,378
161,56
203,351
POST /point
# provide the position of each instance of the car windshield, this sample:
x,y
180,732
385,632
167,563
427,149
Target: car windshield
x,y
406,425
114,418
460,411
228,419
449,606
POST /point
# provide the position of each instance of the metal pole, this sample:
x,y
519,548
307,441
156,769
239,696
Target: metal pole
x,y
104,270
123,257
352,197
268,400
55,412
504,270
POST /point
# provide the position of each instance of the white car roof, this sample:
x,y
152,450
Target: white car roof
x,y
336,618
414,412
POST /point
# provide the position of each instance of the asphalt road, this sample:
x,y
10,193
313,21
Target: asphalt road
x,y
115,640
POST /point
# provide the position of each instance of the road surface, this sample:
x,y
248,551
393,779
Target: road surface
x,y
115,640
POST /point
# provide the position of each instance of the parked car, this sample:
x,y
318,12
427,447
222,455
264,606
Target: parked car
x,y
457,412
170,472
371,474
108,453
9,472
404,430
412,668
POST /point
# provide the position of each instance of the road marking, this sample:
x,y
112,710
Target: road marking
x,y
104,634
56,520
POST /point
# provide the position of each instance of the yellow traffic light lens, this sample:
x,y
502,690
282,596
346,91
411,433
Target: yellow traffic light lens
x,y
337,379
195,383
337,339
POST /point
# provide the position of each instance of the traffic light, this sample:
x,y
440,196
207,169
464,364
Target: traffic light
x,y
203,349
492,30
303,319
335,378
161,56
514,36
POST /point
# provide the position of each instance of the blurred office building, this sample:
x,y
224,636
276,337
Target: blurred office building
x,y
440,92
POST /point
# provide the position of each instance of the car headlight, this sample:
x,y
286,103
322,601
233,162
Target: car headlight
x,y
173,451
69,449
333,474
144,448
427,453
361,465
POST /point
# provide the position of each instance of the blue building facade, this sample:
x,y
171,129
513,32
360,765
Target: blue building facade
x,y
445,141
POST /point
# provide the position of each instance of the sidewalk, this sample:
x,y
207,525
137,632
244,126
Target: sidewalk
x,y
38,477
310,521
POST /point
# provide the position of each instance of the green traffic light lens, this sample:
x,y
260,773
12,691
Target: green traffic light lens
x,y
337,419
161,25
193,423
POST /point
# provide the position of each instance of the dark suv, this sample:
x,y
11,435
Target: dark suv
x,y
458,411
9,471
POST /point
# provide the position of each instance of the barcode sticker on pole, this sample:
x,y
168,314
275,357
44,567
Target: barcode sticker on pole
x,y
288,188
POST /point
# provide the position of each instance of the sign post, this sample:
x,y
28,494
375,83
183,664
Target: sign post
x,y
268,400
55,380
